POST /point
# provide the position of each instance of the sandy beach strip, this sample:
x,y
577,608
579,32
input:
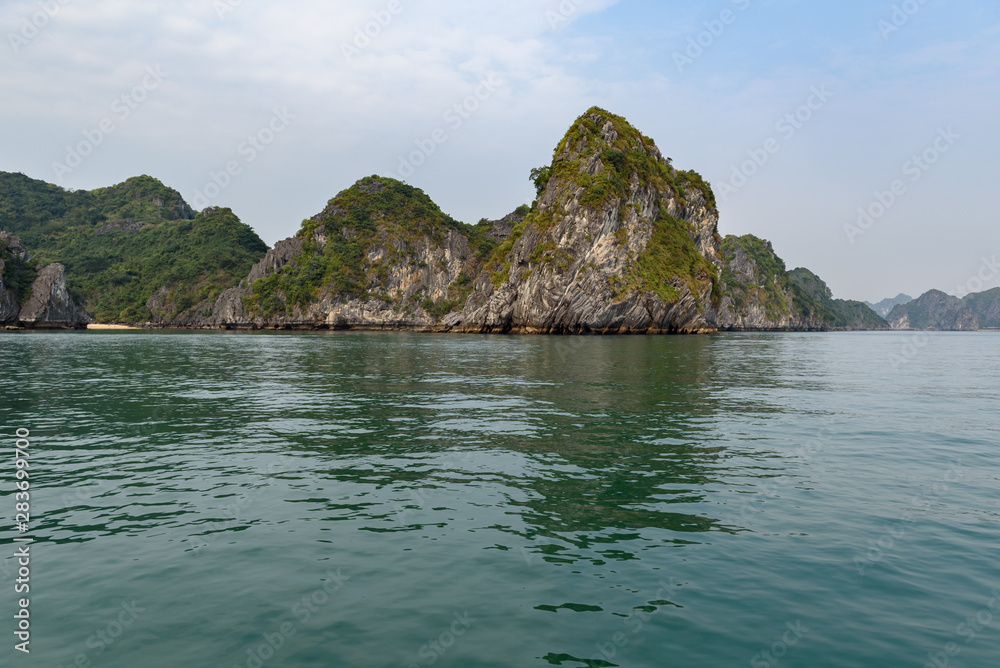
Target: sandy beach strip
x,y
96,326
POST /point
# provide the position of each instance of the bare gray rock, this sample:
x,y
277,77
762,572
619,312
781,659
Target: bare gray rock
x,y
14,247
51,305
574,268
501,230
563,279
754,314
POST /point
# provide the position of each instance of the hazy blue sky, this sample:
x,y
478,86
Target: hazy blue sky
x,y
176,89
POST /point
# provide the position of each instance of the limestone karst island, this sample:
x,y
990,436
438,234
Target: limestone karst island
x,y
618,241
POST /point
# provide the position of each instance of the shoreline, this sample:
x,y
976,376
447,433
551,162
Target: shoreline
x,y
425,329
515,331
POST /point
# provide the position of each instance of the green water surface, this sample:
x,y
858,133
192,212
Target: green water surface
x,y
352,499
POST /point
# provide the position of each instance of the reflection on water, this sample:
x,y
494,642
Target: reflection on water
x,y
589,501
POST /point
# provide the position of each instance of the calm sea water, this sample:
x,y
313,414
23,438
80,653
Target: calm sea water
x,y
300,500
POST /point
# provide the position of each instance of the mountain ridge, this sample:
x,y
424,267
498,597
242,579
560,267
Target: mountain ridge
x,y
617,241
124,244
885,306
936,310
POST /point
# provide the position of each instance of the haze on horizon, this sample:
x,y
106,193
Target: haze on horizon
x,y
799,114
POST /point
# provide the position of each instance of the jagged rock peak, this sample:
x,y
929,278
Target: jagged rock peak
x,y
51,305
603,157
500,230
617,241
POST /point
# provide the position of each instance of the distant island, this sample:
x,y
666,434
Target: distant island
x,y
618,241
884,307
940,311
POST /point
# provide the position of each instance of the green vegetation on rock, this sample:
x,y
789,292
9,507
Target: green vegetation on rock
x,y
540,177
624,154
813,299
375,210
671,255
601,162
17,274
936,310
611,213
123,244
771,286
986,306
772,277
691,178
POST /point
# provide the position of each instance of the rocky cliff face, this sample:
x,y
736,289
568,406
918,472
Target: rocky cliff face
x,y
940,311
986,307
34,298
380,256
498,231
756,294
51,306
590,256
761,295
13,248
618,241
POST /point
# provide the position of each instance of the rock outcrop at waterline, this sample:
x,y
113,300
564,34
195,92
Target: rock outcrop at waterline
x,y
618,241
34,298
51,306
380,256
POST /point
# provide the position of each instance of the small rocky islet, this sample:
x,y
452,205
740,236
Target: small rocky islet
x,y
618,241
